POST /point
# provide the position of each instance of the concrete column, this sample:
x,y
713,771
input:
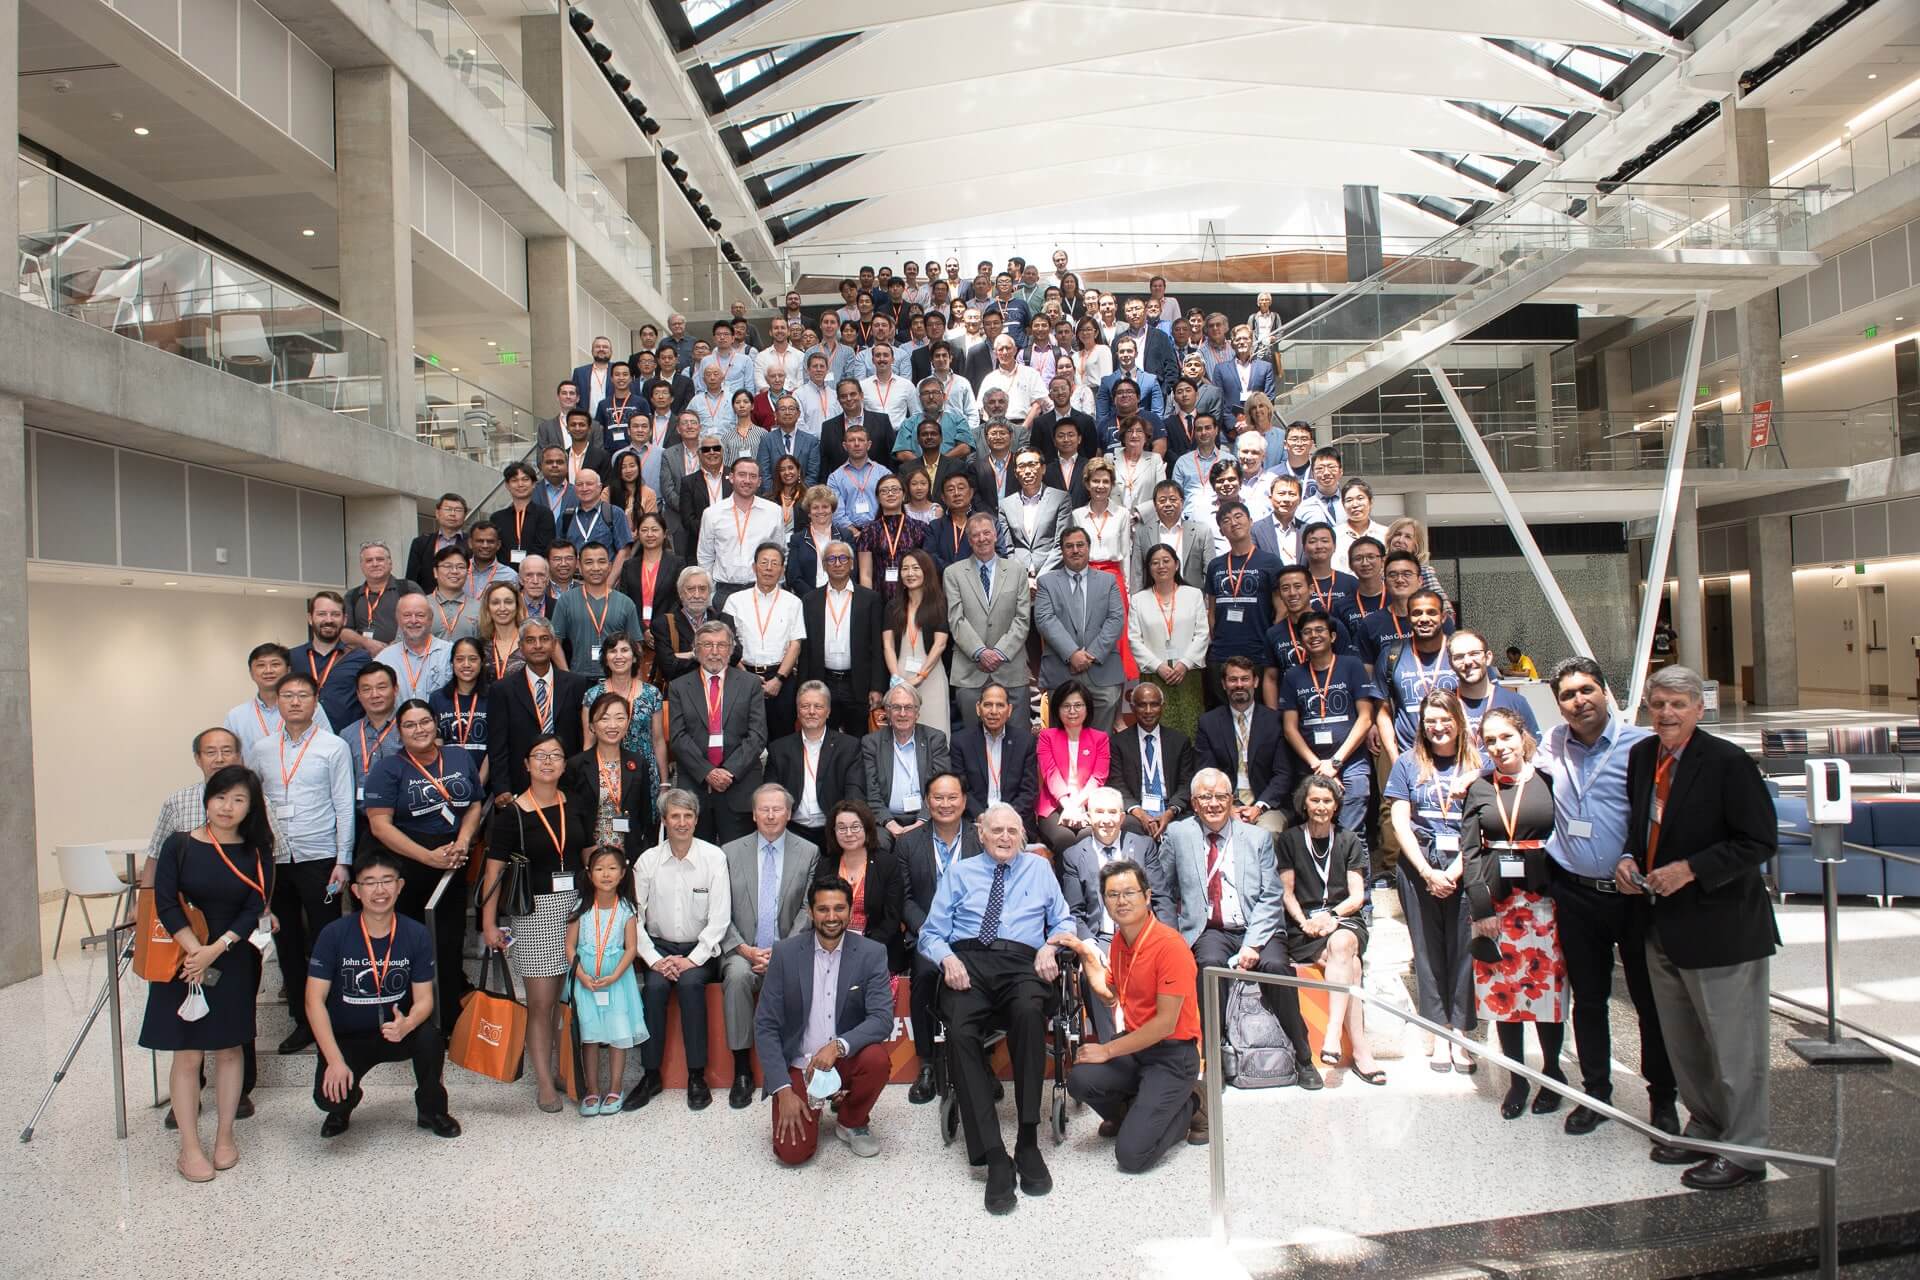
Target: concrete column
x,y
19,841
552,288
376,237
543,71
1776,652
1616,400
1542,368
10,154
646,187
390,518
1688,621
1757,323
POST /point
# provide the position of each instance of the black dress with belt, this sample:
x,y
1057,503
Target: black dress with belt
x,y
191,870
1299,854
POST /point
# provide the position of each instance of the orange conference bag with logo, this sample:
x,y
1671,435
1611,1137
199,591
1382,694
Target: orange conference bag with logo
x,y
490,1036
156,955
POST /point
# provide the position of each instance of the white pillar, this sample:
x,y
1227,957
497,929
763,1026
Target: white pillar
x,y
19,840
373,171
1688,619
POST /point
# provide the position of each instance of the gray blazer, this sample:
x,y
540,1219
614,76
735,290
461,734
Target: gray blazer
x,y
1064,627
1040,551
979,623
743,722
862,1006
1253,870
876,759
743,876
1080,879
673,462
1196,554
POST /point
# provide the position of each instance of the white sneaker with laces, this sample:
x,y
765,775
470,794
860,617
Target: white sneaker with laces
x,y
861,1140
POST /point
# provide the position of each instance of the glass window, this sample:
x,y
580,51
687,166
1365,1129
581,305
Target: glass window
x,y
1594,67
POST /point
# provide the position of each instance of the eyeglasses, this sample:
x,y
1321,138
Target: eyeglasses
x,y
384,882
712,448
1122,895
838,558
1210,795
547,757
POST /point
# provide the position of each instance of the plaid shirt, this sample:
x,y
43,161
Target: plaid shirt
x,y
183,811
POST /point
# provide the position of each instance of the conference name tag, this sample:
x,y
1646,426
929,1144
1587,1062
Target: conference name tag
x,y
893,575
602,998
716,739
1580,829
1447,841
1323,737
1153,802
1236,615
1513,866
516,556
622,825
595,651
563,882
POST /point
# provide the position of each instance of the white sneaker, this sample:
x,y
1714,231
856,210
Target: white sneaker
x,y
860,1140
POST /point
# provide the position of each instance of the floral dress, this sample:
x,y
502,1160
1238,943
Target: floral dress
x,y
646,705
1507,825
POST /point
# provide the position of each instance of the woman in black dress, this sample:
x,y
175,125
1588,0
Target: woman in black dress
x,y
879,879
222,870
1323,873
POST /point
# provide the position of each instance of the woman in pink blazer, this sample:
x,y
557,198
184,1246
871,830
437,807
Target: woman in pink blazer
x,y
1073,761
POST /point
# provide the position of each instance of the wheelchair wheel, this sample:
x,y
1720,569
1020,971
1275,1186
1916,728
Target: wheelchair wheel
x,y
949,1118
1058,1116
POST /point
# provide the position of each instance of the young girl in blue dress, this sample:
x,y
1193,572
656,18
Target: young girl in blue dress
x,y
601,937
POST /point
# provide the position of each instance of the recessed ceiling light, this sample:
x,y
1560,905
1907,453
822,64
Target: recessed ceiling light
x,y
492,343
456,368
306,231
140,131
273,591
172,584
1872,75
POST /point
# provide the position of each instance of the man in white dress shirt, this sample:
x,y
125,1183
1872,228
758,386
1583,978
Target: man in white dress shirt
x,y
885,392
1026,389
686,906
780,352
731,530
767,620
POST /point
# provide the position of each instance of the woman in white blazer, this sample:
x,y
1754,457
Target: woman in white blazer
x,y
1167,628
1136,470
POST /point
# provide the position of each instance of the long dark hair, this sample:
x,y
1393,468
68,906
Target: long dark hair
x,y
932,615
480,682
256,833
623,892
623,497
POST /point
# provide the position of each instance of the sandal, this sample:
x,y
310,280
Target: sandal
x,y
1375,1076
550,1107
590,1105
1329,1058
610,1105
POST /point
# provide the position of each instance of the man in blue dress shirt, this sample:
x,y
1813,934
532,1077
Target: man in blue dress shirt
x,y
993,929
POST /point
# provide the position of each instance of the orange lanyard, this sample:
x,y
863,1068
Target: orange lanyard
x,y
1320,690
893,539
436,777
407,656
1234,579
993,769
601,939
760,620
610,779
839,615
606,606
373,605
1323,596
1519,791
366,756
286,774
319,676
740,522
382,965
1166,615
648,577
261,716
1100,530
716,694
559,841
499,666
519,525
1360,601
258,886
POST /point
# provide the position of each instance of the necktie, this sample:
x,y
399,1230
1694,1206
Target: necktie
x,y
768,927
1151,773
1080,597
786,441
543,704
1214,917
1106,854
996,898
1662,784
986,579
714,754
1242,731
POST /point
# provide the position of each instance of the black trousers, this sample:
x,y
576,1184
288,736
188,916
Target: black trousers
x,y
1150,1092
690,989
300,905
847,708
1594,924
1004,986
718,822
425,1048
450,924
923,990
1217,948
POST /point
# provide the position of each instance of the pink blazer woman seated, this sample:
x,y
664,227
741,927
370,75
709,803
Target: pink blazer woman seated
x,y
1067,775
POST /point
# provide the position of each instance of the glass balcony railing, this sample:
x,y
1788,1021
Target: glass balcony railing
x,y
462,417
87,257
1862,159
467,55
610,215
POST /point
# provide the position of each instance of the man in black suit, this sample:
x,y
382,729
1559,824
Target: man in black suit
x,y
993,473
1259,770
921,365
707,485
995,758
817,764
540,700
842,645
897,761
450,520
1157,357
1700,826
719,718
853,413
927,851
1152,765
979,362
1059,410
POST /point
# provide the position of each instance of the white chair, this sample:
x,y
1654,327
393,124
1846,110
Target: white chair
x,y
87,871
241,340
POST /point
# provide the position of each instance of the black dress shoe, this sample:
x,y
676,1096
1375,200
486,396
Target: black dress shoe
x,y
300,1039
922,1090
651,1087
640,1095
443,1125
999,1089
245,1110
1546,1102
1666,1118
1515,1102
740,1097
1667,1153
335,1124
1583,1120
1000,1197
1034,1178
1720,1174
1306,1076
699,1096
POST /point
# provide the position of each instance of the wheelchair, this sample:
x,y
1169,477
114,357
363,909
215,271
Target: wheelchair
x,y
1066,1026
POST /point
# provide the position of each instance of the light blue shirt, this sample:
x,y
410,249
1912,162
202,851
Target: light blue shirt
x,y
418,677
1188,470
855,489
253,720
1589,786
861,366
310,796
953,431
839,360
738,370
1032,908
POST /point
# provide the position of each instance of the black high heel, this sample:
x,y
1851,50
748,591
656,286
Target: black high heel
x,y
1516,1100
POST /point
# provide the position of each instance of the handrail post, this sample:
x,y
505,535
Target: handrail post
x,y
1834,1050
1215,1069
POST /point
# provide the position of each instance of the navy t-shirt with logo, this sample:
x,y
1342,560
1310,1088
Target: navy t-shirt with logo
x,y
1327,703
420,810
1241,588
1500,697
357,1003
1412,677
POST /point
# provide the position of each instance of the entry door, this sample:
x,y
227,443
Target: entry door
x,y
1874,637
1718,620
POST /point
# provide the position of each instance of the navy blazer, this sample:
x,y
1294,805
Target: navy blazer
x,y
1152,398
1226,377
1080,879
862,1009
1159,359
1268,766
806,448
1019,770
583,383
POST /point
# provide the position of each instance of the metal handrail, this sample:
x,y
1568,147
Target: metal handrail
x,y
1848,1023
1210,979
1801,837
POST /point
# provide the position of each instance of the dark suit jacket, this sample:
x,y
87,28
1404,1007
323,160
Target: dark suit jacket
x,y
581,783
1226,378
1159,359
1077,495
420,557
886,900
1176,762
1042,440
979,364
806,449
988,488
915,852
838,776
862,1010
865,621
1019,769
1080,879
583,383
512,725
1720,819
833,441
682,389
673,634
876,750
666,587
695,498
921,366
743,721
1214,748
536,531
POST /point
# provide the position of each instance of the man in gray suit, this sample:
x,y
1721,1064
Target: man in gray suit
x,y
768,873
1191,541
1231,908
828,1005
988,610
1078,615
553,431
719,718
1107,840
899,761
679,458
1033,517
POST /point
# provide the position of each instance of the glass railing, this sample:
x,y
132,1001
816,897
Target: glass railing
x,y
87,257
462,417
1862,159
610,215
486,77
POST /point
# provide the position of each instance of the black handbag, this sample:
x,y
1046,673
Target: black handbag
x,y
515,885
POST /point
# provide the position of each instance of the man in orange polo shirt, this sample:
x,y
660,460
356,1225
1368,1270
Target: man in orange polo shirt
x,y
1143,1082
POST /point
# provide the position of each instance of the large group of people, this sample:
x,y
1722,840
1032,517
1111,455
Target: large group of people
x,y
934,639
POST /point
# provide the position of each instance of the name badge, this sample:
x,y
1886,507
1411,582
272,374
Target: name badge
x,y
1236,615
595,652
1319,911
563,882
515,556
359,795
912,800
1153,802
1513,866
603,998
262,936
283,811
893,574
646,615
1323,737
716,739
622,825
1446,842
446,811
1580,828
